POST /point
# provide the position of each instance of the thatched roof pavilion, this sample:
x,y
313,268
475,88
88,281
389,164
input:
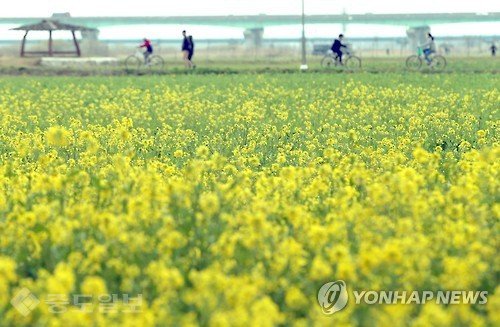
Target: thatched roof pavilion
x,y
51,25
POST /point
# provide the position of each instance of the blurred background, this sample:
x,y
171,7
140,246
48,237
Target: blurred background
x,y
257,28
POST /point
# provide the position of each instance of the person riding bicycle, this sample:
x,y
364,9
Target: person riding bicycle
x,y
337,47
149,50
429,47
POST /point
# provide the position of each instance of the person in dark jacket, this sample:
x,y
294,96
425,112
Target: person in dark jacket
x,y
185,50
191,51
337,47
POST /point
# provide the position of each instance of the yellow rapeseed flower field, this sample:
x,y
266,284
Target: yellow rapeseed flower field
x,y
230,200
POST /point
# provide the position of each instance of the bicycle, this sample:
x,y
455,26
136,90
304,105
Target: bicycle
x,y
331,60
136,61
414,62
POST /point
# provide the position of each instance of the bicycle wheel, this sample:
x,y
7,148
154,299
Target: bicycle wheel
x,y
132,62
413,62
328,62
156,62
353,62
438,63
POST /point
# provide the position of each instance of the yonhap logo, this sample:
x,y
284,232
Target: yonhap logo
x,y
332,297
24,301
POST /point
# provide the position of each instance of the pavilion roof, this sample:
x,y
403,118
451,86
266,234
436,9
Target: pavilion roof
x,y
52,25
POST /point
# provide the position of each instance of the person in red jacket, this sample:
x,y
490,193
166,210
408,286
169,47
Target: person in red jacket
x,y
149,50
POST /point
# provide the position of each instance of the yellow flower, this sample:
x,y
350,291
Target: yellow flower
x,y
295,299
420,155
202,151
8,269
93,285
58,136
481,133
433,315
240,197
123,133
178,153
320,269
209,203
63,280
266,313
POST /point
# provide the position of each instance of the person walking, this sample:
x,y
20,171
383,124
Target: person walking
x,y
191,51
493,49
185,50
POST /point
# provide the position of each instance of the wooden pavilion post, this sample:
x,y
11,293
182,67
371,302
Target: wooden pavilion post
x,y
78,53
23,43
50,43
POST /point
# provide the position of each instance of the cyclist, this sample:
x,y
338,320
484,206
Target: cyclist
x,y
149,50
337,47
429,47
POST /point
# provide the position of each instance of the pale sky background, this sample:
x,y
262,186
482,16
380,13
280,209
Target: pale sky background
x,y
45,8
